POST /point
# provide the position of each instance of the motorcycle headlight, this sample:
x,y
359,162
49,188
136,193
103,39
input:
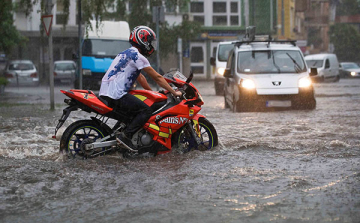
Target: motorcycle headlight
x,y
305,82
247,83
221,70
86,72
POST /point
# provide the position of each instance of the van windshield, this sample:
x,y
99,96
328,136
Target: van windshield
x,y
224,50
104,47
270,61
314,63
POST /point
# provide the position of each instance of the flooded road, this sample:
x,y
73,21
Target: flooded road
x,y
283,166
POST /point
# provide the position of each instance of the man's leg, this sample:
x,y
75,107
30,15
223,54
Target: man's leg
x,y
139,108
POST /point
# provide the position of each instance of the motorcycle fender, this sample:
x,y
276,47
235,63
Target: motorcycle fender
x,y
196,123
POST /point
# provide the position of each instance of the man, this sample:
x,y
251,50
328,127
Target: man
x,y
124,71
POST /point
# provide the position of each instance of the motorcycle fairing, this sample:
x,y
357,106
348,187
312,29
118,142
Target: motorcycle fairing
x,y
166,123
148,97
89,99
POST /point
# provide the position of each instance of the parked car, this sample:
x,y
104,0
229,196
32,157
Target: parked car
x,y
219,62
64,71
263,74
349,69
21,72
327,66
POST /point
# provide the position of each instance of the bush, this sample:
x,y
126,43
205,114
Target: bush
x,y
3,81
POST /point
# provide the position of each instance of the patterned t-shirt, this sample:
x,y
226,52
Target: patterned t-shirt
x,y
122,73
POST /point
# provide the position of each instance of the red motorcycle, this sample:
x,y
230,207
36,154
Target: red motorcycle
x,y
175,123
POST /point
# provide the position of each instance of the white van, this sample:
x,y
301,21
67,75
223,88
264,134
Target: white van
x,y
327,66
222,54
265,74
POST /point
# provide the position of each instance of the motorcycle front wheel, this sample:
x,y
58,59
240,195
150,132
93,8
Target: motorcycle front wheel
x,y
77,135
207,137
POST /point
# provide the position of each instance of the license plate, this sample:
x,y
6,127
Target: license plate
x,y
278,104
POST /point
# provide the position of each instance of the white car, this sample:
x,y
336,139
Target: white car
x,y
263,74
21,72
64,71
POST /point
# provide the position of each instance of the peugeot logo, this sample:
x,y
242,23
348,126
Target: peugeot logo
x,y
276,83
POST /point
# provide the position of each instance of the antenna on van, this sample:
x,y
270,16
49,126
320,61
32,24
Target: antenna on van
x,y
250,33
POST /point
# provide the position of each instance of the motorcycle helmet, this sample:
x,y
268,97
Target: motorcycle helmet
x,y
144,38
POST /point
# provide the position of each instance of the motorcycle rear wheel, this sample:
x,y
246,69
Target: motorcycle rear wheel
x,y
79,132
184,141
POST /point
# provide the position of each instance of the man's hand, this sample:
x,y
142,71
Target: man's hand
x,y
177,94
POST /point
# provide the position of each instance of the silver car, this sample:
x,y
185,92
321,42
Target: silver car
x,y
64,71
21,72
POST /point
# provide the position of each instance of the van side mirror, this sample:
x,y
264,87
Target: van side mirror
x,y
212,61
227,72
313,72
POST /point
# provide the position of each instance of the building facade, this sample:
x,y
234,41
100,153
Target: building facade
x,y
221,20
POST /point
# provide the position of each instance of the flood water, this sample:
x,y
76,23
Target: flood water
x,y
282,166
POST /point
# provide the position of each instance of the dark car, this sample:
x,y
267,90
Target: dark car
x,y
349,69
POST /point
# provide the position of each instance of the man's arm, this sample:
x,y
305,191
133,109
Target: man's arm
x,y
160,80
143,82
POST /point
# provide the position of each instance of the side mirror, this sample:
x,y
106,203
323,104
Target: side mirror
x,y
212,61
313,72
227,72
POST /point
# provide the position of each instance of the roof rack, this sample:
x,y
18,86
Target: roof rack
x,y
250,37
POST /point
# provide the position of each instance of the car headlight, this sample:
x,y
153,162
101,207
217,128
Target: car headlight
x,y
221,70
86,72
353,73
305,82
247,83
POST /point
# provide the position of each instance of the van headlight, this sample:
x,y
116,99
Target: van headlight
x,y
86,72
247,83
221,71
305,82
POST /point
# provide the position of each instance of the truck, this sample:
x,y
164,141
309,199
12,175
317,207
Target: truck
x,y
99,49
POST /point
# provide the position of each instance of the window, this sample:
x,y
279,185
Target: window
x,y
60,16
199,19
234,7
327,63
197,54
197,7
224,50
270,61
219,7
170,7
234,20
220,20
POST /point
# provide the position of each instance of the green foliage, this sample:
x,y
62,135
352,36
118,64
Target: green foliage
x,y
8,32
3,81
348,7
346,40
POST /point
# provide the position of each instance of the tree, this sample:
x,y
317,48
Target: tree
x,y
10,37
346,40
348,7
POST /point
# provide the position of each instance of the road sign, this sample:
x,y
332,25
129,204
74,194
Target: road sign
x,y
47,21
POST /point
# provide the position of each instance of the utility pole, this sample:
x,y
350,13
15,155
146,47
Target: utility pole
x,y
158,17
47,19
80,46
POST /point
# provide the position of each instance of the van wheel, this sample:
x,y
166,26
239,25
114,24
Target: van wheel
x,y
337,78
